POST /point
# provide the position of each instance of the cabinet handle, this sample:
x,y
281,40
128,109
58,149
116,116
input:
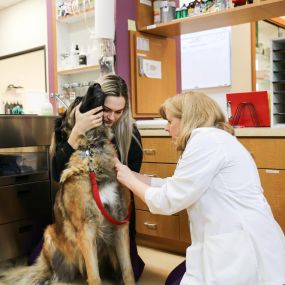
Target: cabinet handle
x,y
150,226
149,151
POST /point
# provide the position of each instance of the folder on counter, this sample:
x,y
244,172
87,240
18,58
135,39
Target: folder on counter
x,y
248,109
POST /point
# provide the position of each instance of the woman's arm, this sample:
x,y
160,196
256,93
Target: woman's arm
x,y
192,177
136,182
84,122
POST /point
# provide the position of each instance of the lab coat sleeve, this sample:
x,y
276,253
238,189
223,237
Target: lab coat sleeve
x,y
201,161
157,182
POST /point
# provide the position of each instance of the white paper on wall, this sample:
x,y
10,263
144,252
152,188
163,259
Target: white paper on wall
x,y
142,44
152,68
105,19
206,59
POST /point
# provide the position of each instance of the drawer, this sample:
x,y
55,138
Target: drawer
x,y
267,152
157,225
274,190
20,238
161,170
18,202
159,150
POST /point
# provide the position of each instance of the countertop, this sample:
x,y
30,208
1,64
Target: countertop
x,y
240,132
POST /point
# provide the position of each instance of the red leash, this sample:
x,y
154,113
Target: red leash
x,y
100,205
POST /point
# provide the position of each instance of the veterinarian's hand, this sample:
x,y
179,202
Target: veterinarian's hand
x,y
83,123
124,174
137,183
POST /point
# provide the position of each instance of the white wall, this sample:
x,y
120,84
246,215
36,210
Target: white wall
x,y
23,26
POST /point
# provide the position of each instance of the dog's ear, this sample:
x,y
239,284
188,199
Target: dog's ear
x,y
94,97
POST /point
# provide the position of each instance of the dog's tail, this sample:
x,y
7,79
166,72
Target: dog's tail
x,y
28,275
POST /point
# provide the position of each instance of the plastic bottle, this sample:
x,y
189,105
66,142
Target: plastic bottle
x,y
184,11
46,107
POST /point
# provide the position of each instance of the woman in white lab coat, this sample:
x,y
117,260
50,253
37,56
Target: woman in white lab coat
x,y
235,239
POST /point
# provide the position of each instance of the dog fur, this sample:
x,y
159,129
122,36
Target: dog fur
x,y
82,241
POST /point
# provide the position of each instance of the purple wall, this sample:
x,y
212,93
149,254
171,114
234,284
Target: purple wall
x,y
125,9
50,51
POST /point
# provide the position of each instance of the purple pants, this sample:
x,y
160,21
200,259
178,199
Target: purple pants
x,y
137,262
175,276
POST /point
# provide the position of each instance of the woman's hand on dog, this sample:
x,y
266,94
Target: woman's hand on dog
x,y
124,174
85,122
136,182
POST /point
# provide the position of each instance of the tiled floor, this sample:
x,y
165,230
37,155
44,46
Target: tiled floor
x,y
158,265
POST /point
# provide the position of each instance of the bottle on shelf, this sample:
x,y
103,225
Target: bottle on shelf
x,y
82,59
157,4
190,8
74,57
184,11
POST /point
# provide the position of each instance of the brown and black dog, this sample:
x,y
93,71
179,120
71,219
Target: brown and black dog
x,y
82,241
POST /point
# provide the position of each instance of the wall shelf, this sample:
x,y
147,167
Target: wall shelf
x,y
74,18
278,82
234,16
78,70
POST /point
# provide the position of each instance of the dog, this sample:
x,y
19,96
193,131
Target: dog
x,y
82,241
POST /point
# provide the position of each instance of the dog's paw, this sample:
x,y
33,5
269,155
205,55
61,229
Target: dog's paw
x,y
71,171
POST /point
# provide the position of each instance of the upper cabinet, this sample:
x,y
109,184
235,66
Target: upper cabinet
x,y
153,72
156,42
260,9
76,63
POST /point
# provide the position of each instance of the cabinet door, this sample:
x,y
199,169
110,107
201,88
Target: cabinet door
x,y
25,201
274,190
267,152
148,92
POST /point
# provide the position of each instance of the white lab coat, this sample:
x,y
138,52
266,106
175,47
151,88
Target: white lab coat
x,y
235,239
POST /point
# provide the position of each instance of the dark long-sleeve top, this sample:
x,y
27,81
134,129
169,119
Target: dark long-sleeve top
x,y
64,152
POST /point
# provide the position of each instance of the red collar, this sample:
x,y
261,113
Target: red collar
x,y
100,205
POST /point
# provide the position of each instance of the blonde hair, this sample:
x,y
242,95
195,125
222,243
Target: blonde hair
x,y
114,85
196,110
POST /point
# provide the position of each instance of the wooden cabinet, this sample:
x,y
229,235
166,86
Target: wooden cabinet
x,y
269,156
149,90
267,152
164,232
148,93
